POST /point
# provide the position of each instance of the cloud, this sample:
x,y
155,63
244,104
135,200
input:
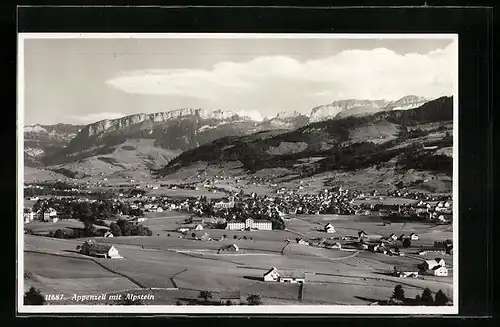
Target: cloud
x,y
270,84
94,117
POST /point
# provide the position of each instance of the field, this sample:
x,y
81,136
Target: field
x,y
178,268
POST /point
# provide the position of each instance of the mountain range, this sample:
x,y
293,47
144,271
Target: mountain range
x,y
179,130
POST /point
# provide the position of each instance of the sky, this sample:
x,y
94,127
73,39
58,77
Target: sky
x,y
81,81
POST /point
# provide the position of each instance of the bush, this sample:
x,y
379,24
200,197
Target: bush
x,y
34,297
254,299
205,295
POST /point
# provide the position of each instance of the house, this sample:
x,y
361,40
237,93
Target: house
x,y
413,237
362,246
53,219
393,237
183,229
301,241
430,264
159,209
271,275
91,248
438,271
205,237
28,215
405,271
362,234
198,227
292,277
230,298
329,228
108,234
229,248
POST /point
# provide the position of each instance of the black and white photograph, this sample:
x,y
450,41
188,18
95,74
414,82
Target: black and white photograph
x,y
237,173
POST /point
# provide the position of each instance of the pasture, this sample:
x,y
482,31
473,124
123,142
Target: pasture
x,y
181,267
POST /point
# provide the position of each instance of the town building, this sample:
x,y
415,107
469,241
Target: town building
x,y
250,224
225,203
28,215
49,214
92,248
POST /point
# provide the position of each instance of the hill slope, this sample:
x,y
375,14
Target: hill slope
x,y
400,139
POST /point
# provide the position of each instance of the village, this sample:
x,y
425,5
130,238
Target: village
x,y
247,226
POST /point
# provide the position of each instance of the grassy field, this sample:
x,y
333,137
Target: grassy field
x,y
189,266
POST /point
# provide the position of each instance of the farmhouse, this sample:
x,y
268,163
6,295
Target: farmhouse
x,y
292,277
362,234
229,248
229,298
301,241
438,271
99,250
405,271
430,264
413,237
271,275
329,228
108,234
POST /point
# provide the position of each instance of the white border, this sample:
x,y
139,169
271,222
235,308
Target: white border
x,y
263,309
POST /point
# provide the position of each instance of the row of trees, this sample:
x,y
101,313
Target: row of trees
x,y
425,298
253,299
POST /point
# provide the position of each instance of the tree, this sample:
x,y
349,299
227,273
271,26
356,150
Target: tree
x,y
235,237
406,243
125,227
441,298
254,299
399,293
427,297
34,297
115,229
193,235
205,295
88,228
